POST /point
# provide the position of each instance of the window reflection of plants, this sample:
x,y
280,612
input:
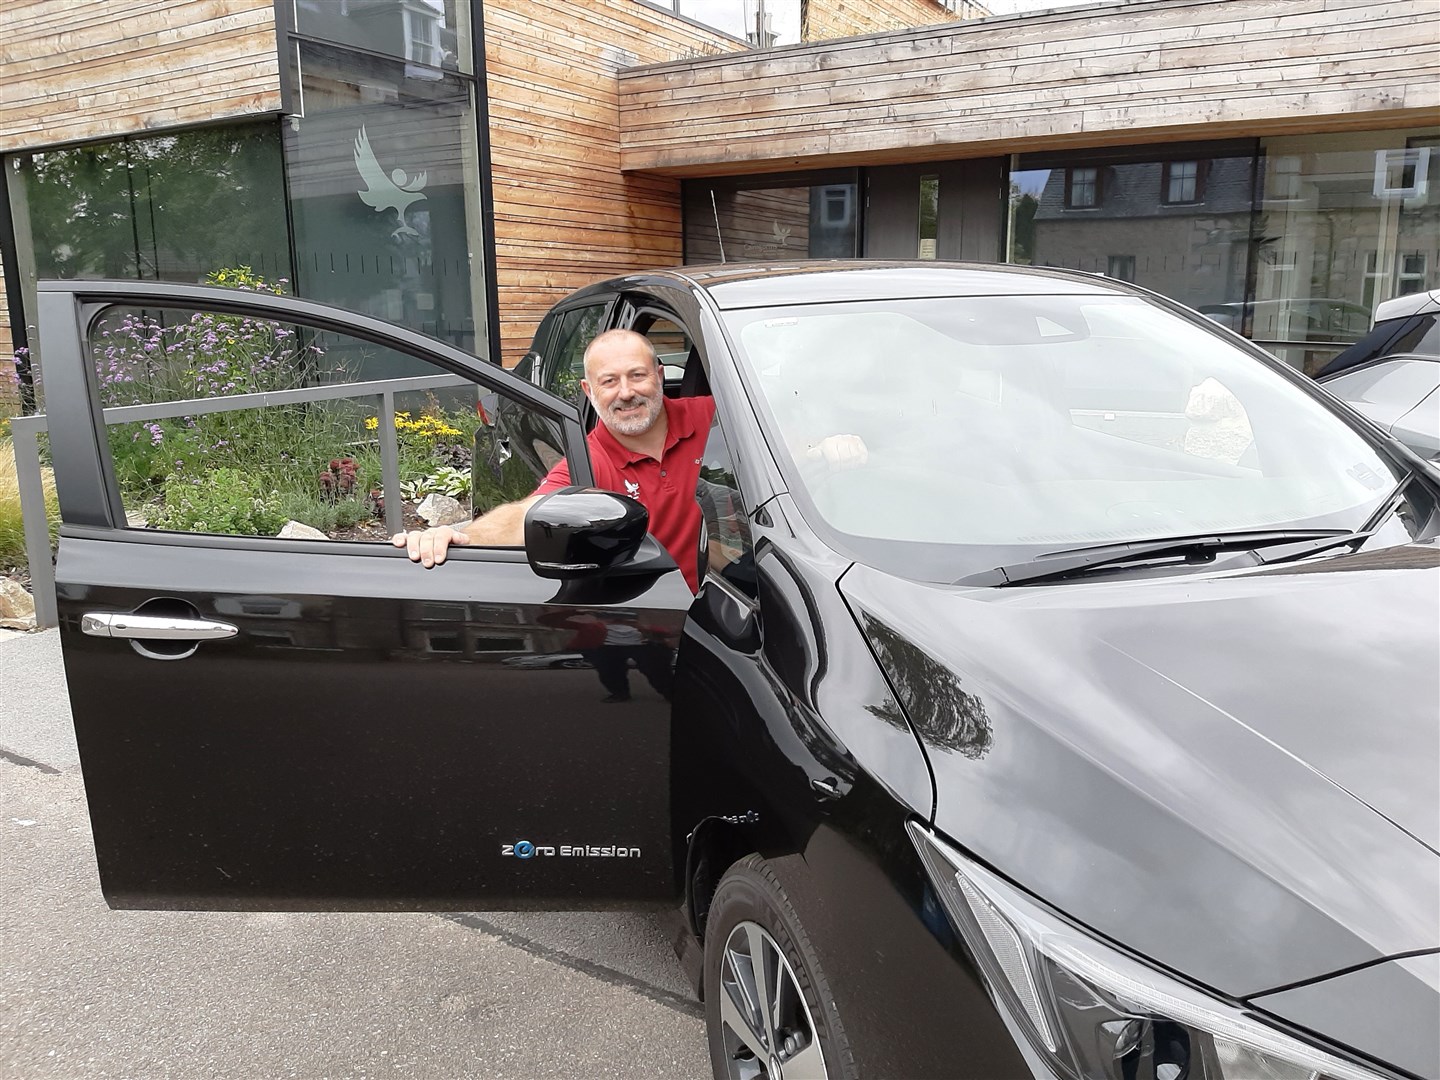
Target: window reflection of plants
x,y
931,695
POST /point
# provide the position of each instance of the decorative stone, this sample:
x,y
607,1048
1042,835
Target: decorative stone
x,y
16,606
136,519
442,510
298,530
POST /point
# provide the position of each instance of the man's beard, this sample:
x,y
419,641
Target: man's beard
x,y
635,423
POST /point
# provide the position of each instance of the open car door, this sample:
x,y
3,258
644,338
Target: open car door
x,y
270,723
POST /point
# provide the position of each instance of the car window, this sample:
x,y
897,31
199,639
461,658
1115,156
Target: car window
x,y
1033,424
238,425
1422,338
565,366
1395,382
671,342
729,549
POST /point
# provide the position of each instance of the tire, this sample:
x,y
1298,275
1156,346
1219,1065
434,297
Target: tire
x,y
749,914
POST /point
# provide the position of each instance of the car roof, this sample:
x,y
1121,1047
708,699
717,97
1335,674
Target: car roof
x,y
1403,306
746,285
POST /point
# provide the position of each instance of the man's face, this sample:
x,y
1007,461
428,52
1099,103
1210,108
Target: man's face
x,y
623,383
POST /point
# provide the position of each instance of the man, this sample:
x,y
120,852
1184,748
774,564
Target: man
x,y
646,445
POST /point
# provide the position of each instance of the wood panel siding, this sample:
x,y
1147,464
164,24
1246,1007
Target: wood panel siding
x,y
823,20
1112,74
565,214
98,69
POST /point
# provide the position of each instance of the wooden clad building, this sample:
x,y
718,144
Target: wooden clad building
x,y
548,143
1109,74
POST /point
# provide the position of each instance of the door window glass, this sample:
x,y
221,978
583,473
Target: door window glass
x,y
565,366
729,549
247,426
671,343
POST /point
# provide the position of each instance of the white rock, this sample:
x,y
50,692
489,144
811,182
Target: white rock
x,y
441,510
15,604
298,530
136,519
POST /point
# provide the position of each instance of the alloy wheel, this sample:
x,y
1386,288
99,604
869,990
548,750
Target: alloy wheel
x,y
768,1030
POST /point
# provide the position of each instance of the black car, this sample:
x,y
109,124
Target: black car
x,y
1089,727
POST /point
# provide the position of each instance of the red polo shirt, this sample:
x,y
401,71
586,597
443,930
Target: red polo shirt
x,y
665,487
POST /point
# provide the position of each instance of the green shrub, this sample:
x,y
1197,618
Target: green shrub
x,y
223,501
321,513
12,530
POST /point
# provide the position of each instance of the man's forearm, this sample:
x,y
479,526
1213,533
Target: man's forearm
x,y
502,527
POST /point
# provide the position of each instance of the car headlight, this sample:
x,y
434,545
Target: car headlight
x,y
1093,1013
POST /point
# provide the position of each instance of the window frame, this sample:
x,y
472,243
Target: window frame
x,y
1098,187
93,499
1168,178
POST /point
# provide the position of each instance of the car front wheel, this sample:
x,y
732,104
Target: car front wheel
x,y
767,1007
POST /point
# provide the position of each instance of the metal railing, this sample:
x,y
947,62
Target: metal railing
x,y
26,431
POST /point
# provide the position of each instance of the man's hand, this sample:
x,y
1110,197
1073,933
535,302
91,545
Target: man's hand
x,y
840,451
428,547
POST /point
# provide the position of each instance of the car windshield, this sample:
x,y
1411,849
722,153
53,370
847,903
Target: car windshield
x,y
998,428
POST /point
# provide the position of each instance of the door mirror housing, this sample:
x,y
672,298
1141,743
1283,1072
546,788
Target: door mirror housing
x,y
581,532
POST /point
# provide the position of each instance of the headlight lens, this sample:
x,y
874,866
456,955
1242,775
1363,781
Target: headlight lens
x,y
1094,1013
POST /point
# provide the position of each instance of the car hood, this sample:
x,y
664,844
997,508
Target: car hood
x,y
1386,1010
1236,774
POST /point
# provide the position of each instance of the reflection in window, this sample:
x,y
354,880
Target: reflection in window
x,y
762,23
733,223
1347,222
382,181
1195,252
1183,182
729,549
164,207
929,213
434,33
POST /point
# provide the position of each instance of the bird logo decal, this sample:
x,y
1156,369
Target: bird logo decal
x,y
394,192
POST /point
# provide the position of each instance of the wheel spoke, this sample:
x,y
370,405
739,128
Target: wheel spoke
x,y
808,1064
767,967
736,1018
765,1023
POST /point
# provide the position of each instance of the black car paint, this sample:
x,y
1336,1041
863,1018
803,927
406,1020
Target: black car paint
x,y
793,732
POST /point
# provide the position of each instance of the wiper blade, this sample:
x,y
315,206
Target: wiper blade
x,y
1372,525
1193,549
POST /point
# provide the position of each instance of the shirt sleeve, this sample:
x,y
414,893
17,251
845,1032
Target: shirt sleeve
x,y
557,478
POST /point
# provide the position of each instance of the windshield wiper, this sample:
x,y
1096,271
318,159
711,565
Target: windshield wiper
x,y
1192,549
1372,525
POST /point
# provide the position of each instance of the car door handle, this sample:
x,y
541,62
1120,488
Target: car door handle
x,y
119,624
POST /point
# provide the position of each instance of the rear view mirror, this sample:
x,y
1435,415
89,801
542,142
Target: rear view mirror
x,y
579,532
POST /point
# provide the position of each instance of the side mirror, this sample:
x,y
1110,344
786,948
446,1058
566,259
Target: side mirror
x,y
582,532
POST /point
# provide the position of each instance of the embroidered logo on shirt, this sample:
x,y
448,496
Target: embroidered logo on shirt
x,y
632,488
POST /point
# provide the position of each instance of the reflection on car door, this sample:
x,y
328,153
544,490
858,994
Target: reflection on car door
x,y
323,724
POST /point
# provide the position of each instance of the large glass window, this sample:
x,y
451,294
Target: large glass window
x,y
432,33
384,188
178,207
1181,226
763,23
1346,222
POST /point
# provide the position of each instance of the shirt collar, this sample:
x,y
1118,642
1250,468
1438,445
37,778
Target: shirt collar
x,y
679,424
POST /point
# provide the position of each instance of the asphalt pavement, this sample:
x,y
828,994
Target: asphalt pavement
x,y
90,992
